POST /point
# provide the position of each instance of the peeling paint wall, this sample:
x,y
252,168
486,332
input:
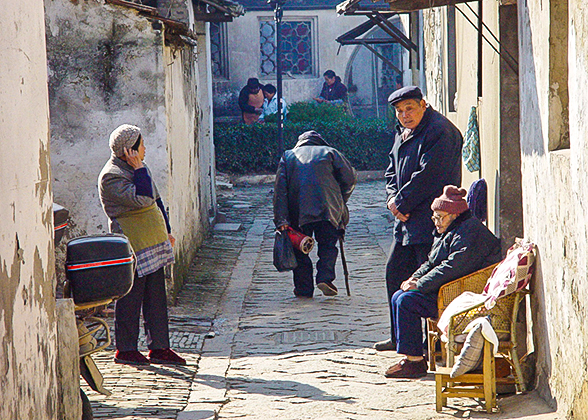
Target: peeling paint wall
x,y
183,120
109,66
105,69
553,56
28,336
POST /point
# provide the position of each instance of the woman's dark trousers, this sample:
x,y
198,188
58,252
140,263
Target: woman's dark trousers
x,y
149,294
326,236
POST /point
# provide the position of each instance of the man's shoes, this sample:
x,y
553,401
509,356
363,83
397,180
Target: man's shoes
x,y
165,357
302,295
328,288
386,345
130,358
407,369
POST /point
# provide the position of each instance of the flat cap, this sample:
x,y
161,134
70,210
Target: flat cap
x,y
407,92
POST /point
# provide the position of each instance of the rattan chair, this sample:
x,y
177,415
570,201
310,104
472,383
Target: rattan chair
x,y
503,317
475,283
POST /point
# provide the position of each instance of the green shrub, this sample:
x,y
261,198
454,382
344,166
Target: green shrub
x,y
243,149
312,111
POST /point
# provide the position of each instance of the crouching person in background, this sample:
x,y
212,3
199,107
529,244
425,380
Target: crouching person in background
x,y
134,208
463,244
313,183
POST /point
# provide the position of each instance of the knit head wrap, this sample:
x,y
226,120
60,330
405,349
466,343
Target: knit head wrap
x,y
123,136
451,201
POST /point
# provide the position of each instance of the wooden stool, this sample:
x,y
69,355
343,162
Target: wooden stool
x,y
470,385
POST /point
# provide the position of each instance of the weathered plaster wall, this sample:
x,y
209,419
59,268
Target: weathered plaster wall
x,y
109,66
28,383
186,186
105,69
244,56
498,89
554,193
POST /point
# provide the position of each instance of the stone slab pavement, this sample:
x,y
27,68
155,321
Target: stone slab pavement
x,y
255,351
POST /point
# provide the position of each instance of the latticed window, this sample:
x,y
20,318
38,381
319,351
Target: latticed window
x,y
218,50
296,47
392,52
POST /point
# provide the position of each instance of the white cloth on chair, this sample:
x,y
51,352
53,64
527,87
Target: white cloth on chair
x,y
464,301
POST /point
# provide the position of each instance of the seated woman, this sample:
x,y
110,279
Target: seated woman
x,y
462,245
333,91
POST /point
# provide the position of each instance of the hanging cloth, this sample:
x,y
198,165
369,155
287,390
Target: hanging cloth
x,y
471,143
477,199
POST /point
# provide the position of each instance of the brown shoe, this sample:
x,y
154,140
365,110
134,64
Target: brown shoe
x,y
328,288
407,369
386,345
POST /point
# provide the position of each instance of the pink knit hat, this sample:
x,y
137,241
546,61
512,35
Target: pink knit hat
x,y
451,201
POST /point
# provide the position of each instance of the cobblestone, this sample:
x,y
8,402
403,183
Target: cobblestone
x,y
273,356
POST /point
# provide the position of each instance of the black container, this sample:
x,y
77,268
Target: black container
x,y
60,222
99,267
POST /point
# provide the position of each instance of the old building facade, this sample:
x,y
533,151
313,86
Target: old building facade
x,y
118,62
522,65
246,48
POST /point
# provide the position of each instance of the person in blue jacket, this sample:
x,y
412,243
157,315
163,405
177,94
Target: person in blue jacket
x,y
462,246
425,156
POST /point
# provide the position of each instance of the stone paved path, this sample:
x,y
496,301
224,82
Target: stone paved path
x,y
274,356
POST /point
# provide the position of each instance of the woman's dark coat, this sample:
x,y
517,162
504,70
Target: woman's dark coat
x,y
467,246
313,183
337,91
420,166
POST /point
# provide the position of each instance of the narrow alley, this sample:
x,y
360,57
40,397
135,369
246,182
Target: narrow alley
x,y
255,351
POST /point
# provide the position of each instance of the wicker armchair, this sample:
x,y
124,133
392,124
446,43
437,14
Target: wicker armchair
x,y
503,319
475,283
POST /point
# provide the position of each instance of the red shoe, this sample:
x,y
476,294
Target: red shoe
x,y
165,357
130,358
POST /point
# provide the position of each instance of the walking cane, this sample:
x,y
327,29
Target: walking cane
x,y
344,261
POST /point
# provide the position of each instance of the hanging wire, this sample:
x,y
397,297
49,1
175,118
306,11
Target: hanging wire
x,y
492,33
508,62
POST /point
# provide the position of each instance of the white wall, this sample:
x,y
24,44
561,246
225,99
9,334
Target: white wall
x,y
27,299
554,193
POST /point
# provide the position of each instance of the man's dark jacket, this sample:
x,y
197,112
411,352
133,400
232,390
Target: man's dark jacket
x,y
467,246
337,91
420,166
313,183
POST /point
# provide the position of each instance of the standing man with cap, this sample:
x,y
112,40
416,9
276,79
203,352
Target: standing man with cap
x,y
463,245
425,157
134,208
251,101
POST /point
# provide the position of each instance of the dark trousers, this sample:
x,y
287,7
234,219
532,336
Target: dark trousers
x,y
149,294
403,261
326,236
407,310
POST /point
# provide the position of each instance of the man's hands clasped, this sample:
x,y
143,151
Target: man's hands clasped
x,y
396,213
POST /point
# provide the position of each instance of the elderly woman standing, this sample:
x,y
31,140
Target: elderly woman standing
x,y
132,203
463,244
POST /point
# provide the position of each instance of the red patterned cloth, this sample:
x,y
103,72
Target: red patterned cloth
x,y
512,274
